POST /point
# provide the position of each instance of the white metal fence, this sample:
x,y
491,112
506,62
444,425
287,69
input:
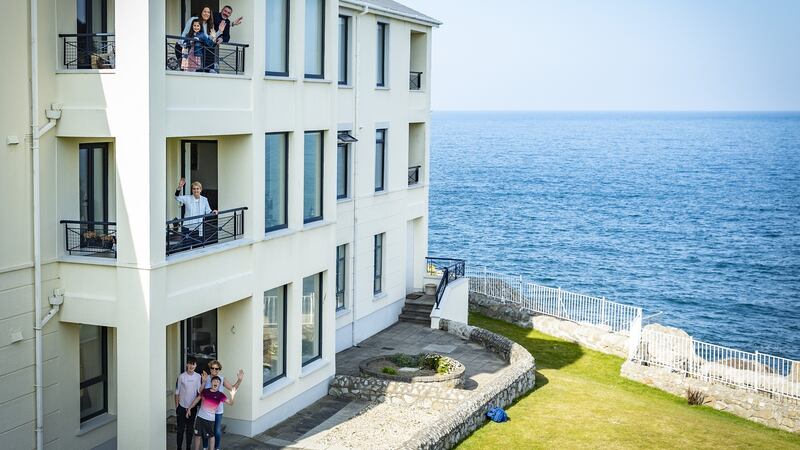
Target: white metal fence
x,y
556,302
714,363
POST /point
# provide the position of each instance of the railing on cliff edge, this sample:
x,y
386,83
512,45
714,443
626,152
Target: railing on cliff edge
x,y
450,270
754,371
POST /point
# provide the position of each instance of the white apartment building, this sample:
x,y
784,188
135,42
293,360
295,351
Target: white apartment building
x,y
309,131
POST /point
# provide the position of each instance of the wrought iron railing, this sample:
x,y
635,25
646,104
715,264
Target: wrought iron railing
x,y
413,175
88,50
448,268
415,81
225,57
201,231
90,238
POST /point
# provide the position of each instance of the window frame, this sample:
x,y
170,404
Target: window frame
x,y
102,378
321,75
379,245
382,132
321,177
284,73
285,223
381,48
319,321
283,336
344,39
341,258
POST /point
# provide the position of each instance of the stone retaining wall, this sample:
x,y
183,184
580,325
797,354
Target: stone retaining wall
x,y
589,336
427,395
515,380
775,412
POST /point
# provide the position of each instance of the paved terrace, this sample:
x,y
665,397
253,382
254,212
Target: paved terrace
x,y
338,423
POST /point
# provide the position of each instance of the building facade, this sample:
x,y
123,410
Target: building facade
x,y
309,131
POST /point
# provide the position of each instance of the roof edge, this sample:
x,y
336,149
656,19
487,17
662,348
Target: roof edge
x,y
415,18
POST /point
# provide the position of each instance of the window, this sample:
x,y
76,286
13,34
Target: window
x,y
274,335
312,318
377,274
277,47
93,371
276,184
315,39
312,176
381,55
341,273
344,47
93,182
380,160
343,163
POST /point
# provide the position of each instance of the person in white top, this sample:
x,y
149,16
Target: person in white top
x,y
196,205
186,390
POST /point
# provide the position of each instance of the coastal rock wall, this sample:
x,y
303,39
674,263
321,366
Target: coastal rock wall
x,y
589,336
777,412
457,423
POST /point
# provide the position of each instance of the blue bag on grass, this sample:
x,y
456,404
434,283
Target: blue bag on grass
x,y
497,414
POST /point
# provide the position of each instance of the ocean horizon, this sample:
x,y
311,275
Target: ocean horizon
x,y
692,214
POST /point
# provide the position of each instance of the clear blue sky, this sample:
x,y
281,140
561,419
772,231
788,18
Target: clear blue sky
x,y
615,55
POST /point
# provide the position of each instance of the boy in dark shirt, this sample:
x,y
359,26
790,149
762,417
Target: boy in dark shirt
x,y
209,399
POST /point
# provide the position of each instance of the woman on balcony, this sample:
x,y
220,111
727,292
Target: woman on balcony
x,y
209,28
196,205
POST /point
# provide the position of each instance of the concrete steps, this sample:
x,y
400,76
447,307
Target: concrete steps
x,y
417,308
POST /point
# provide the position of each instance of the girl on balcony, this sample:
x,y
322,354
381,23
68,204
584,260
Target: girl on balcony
x,y
211,31
195,47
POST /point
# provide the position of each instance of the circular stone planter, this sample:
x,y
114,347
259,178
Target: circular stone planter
x,y
373,367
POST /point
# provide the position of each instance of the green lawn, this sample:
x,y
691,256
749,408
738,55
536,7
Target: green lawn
x,y
581,401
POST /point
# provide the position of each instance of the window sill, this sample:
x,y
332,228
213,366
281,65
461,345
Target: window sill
x,y
381,192
342,312
281,232
275,386
95,423
179,73
344,200
279,78
92,260
317,80
346,86
379,296
416,186
317,224
313,367
382,88
418,91
74,71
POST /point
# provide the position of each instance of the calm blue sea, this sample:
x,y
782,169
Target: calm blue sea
x,y
693,214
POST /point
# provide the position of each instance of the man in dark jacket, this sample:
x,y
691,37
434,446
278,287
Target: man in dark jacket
x,y
224,17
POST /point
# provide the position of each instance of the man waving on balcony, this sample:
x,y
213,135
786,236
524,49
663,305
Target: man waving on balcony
x,y
196,205
224,24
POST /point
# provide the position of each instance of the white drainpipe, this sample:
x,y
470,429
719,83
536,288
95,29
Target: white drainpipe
x,y
36,133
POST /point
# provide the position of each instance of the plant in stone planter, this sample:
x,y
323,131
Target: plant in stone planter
x,y
389,370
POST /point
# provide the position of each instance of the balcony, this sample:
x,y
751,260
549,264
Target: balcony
x,y
415,81
225,58
413,175
205,230
88,51
97,239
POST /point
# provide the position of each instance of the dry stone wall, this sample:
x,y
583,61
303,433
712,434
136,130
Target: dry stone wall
x,y
777,412
589,336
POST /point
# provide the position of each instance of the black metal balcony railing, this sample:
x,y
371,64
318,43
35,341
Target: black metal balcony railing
x,y
413,175
202,231
415,81
448,268
90,238
226,57
88,51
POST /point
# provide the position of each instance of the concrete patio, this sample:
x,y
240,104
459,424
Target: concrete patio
x,y
336,423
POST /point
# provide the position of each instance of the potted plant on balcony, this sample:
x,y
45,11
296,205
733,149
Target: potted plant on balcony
x,y
90,239
107,241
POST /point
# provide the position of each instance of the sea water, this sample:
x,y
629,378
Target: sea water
x,y
696,215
